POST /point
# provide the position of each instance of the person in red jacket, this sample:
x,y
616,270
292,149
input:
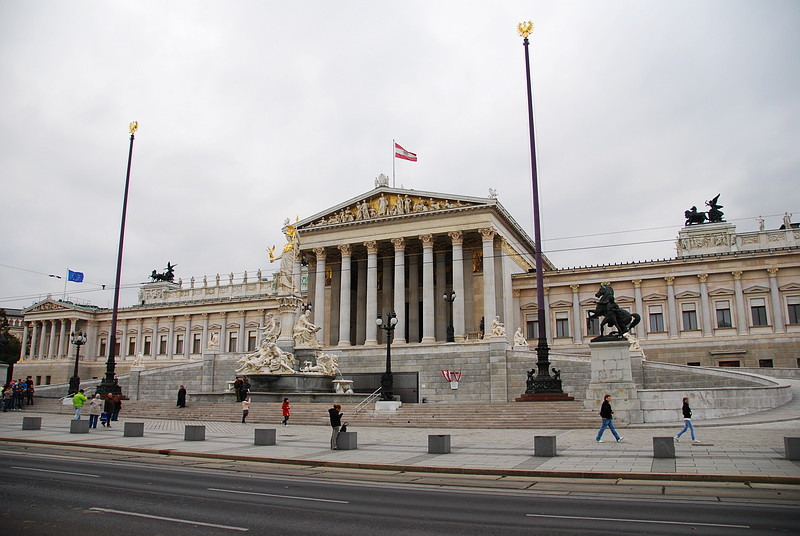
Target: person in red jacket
x,y
286,412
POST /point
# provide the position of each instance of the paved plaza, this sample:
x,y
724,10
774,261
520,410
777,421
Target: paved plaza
x,y
748,448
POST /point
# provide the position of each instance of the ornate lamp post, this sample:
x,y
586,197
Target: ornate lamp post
x,y
450,297
78,339
542,382
109,382
387,380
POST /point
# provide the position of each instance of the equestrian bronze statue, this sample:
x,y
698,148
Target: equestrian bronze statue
x,y
619,320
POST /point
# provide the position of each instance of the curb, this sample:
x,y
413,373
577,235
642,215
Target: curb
x,y
677,477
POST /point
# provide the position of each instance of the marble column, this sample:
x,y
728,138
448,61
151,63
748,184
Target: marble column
x,y
154,342
171,338
439,288
577,319
400,289
204,341
62,339
25,335
42,351
775,297
428,310
73,328
319,294
187,337
639,302
489,300
672,307
387,266
140,338
457,240
241,345
371,337
51,347
361,301
344,296
550,326
742,322
123,340
705,307
223,333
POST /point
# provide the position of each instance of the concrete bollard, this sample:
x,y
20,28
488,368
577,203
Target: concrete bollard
x,y
194,432
78,427
133,429
265,436
664,447
438,444
791,446
31,423
544,446
347,441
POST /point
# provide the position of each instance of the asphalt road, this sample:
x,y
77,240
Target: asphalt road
x,y
53,491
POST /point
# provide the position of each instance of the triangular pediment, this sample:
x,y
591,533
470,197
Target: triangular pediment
x,y
655,296
791,287
756,289
687,294
49,305
385,202
721,292
561,303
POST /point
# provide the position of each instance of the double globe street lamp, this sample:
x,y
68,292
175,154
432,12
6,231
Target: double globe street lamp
x,y
387,380
78,339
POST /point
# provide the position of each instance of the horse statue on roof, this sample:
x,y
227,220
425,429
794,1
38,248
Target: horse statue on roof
x,y
616,318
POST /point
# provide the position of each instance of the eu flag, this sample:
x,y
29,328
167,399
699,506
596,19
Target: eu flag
x,y
76,277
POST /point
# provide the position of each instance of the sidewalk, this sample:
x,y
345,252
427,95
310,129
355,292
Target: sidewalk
x,y
735,451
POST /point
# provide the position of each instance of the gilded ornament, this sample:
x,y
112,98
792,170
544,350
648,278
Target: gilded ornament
x,y
525,29
134,126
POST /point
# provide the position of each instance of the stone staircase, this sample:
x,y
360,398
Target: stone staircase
x,y
533,415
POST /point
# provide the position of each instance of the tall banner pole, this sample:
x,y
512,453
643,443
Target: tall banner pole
x,y
393,159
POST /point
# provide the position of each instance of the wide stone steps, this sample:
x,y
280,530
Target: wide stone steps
x,y
539,415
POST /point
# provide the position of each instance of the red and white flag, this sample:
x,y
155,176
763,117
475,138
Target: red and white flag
x,y
399,152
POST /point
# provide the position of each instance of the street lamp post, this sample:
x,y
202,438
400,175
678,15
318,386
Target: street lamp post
x,y
450,297
542,382
109,382
387,380
78,339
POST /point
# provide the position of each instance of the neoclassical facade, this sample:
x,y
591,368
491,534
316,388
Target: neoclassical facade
x,y
726,299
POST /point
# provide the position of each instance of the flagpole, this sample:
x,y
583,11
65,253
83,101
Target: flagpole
x,y
64,297
393,159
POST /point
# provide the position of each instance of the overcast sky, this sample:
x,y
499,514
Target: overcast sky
x,y
254,111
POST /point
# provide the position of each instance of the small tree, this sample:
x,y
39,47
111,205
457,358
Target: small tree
x,y
10,346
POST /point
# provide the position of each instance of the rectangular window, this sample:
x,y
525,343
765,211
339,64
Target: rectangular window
x,y
196,343
729,363
47,380
562,324
723,308
251,341
693,363
593,327
147,345
162,345
117,347
689,316
656,319
533,329
765,363
38,380
102,347
132,346
179,344
793,302
233,339
758,308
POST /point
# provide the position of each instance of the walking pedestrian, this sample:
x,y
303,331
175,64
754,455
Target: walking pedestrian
x,y
286,412
687,421
245,409
29,393
108,410
336,424
608,420
182,397
95,409
117,408
77,402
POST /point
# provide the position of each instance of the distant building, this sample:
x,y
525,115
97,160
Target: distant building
x,y
727,299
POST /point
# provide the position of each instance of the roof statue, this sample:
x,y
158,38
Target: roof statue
x,y
167,275
714,214
285,276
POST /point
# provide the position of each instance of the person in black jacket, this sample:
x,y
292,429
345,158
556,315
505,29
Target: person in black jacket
x,y
608,415
687,421
336,423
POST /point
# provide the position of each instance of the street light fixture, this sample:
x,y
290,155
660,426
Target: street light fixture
x,y
450,297
78,339
387,380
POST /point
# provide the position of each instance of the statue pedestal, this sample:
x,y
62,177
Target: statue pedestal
x,y
611,375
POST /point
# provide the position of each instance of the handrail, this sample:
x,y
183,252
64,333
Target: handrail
x,y
362,405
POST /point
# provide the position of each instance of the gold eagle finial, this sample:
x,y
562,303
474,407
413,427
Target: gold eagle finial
x,y
525,29
134,126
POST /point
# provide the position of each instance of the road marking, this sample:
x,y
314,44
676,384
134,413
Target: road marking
x,y
642,521
278,496
161,518
51,471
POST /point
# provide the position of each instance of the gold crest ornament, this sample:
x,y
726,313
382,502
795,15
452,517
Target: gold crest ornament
x,y
134,126
525,29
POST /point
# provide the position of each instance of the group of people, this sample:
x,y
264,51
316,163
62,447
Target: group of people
x,y
16,393
103,409
607,414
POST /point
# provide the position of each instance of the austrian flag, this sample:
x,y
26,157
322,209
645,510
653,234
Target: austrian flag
x,y
399,152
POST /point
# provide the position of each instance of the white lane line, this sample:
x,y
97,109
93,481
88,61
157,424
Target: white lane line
x,y
161,518
51,471
642,521
278,496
